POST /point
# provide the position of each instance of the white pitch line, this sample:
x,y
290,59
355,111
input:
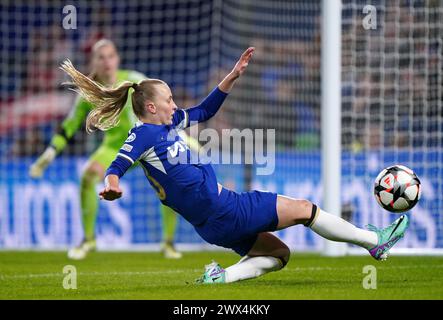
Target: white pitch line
x,y
137,273
358,268
125,273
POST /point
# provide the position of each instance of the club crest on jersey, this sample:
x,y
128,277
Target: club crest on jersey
x,y
131,137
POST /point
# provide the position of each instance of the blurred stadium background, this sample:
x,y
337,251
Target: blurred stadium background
x,y
391,94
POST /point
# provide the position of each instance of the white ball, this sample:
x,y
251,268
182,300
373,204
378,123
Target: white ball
x,y
397,189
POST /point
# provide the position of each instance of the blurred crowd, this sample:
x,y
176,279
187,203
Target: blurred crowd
x,y
391,77
34,104
281,91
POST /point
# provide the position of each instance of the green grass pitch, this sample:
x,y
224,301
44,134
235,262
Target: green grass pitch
x,y
118,275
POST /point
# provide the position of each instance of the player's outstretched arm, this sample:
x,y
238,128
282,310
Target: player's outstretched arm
x,y
59,141
112,190
115,171
212,103
239,68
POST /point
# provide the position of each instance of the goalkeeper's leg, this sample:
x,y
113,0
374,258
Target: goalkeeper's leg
x,y
89,205
89,200
169,225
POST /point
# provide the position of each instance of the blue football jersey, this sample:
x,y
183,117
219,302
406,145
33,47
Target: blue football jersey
x,y
181,182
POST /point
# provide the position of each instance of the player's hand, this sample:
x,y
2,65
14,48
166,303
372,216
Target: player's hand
x,y
243,62
110,193
39,166
228,82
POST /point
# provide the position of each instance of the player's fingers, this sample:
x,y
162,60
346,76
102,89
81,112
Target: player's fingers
x,y
244,55
246,60
248,53
115,193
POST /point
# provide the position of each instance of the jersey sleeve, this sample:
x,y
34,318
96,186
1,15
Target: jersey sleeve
x,y
183,118
71,124
118,167
135,145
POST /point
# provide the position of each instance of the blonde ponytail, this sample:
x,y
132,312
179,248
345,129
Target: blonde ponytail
x,y
108,102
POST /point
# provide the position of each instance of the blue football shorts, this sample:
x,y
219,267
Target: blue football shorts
x,y
238,218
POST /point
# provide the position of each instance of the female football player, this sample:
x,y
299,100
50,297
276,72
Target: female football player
x,y
105,64
239,221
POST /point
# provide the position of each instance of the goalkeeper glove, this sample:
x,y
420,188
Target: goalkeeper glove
x,y
38,167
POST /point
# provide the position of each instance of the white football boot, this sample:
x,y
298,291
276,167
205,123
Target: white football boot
x,y
169,252
81,251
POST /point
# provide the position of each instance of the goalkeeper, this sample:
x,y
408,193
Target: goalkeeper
x,y
105,61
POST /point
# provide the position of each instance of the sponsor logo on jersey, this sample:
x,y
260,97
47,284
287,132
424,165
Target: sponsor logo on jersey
x,y
131,137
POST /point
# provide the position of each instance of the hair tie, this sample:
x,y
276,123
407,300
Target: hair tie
x,y
134,86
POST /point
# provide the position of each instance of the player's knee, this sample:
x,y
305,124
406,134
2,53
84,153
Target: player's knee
x,y
87,178
91,175
303,210
293,211
284,254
